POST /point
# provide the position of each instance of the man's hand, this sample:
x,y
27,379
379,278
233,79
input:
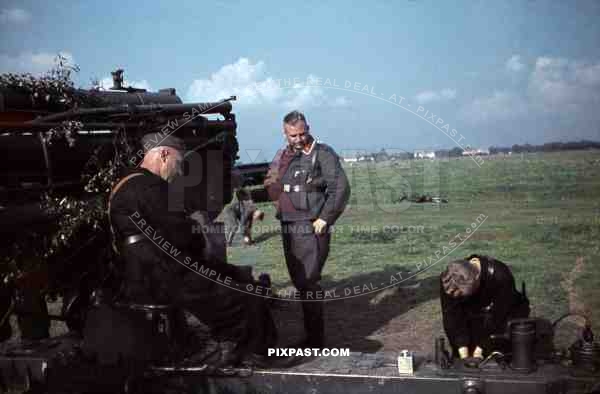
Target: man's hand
x,y
474,360
271,177
199,217
319,225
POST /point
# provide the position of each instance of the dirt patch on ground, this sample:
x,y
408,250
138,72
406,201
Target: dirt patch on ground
x,y
391,320
414,330
576,303
567,330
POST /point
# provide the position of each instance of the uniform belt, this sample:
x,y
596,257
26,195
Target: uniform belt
x,y
301,188
133,239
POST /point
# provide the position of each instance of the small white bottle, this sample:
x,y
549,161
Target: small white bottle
x,y
405,363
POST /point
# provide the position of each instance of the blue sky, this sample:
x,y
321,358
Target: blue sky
x,y
496,73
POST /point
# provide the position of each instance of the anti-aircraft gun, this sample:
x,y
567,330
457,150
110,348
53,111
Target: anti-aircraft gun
x,y
32,164
59,155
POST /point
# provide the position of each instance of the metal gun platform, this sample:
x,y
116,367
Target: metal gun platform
x,y
47,366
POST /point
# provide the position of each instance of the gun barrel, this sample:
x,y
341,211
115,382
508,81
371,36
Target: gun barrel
x,y
106,103
191,109
13,100
199,123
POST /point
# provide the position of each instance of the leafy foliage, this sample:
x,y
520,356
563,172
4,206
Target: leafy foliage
x,y
54,89
75,219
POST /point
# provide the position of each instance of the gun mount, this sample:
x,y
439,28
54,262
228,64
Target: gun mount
x,y
54,366
35,164
32,165
252,178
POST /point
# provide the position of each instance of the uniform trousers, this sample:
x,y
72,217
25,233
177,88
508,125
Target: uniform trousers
x,y
305,255
232,315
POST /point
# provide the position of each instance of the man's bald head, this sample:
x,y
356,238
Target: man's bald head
x,y
164,161
461,278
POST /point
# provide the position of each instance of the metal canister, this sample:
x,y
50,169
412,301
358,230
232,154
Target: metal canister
x,y
586,356
522,338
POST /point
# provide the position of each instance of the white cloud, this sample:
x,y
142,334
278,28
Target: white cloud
x,y
431,95
14,15
426,96
556,86
563,85
34,63
303,96
500,105
107,83
448,93
249,82
514,64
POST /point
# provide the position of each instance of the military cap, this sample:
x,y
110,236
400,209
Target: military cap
x,y
154,140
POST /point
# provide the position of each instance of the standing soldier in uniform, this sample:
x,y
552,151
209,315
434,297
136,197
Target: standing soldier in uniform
x,y
310,190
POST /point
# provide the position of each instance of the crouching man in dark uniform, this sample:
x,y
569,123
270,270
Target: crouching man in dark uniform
x,y
310,189
143,224
240,215
478,297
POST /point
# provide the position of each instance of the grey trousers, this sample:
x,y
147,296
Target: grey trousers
x,y
305,256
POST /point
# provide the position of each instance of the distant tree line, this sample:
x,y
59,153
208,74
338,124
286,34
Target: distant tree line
x,y
548,147
383,155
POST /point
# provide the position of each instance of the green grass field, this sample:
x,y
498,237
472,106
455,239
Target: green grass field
x,y
542,216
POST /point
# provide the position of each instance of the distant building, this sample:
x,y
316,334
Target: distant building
x,y
424,154
476,152
351,160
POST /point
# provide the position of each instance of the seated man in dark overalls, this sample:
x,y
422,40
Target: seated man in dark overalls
x,y
478,297
148,231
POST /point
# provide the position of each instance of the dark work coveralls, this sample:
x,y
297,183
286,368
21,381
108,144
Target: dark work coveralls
x,y
469,321
307,186
152,275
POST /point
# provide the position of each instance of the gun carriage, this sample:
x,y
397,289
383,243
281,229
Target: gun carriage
x,y
253,176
